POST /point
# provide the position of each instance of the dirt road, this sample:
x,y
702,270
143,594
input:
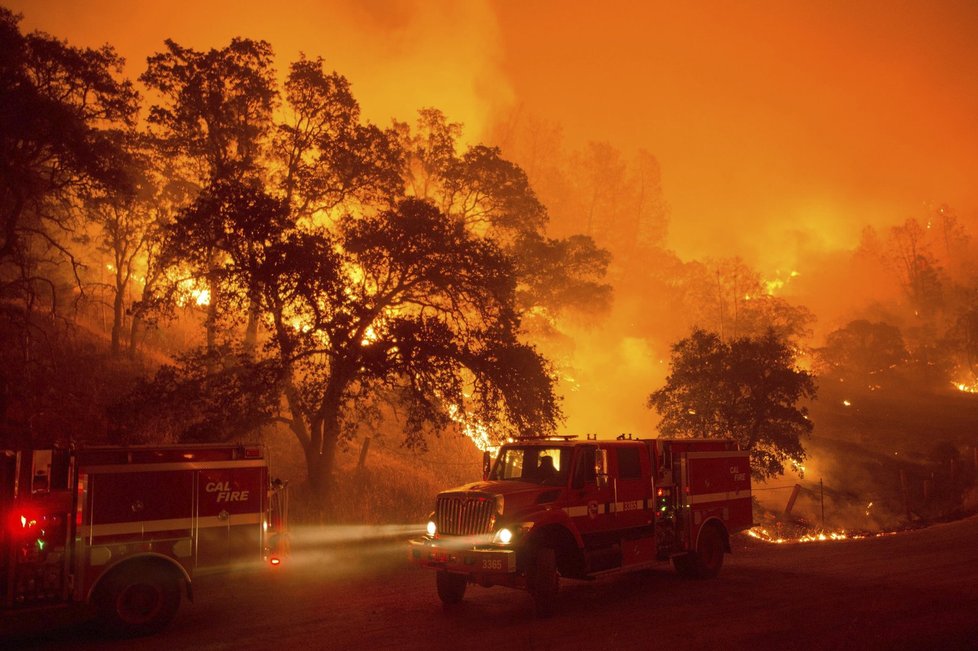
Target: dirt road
x,y
910,590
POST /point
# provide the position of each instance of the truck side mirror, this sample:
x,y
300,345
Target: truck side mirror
x,y
601,467
486,464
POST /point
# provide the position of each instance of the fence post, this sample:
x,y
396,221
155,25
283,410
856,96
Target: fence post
x,y
905,485
363,453
791,499
821,499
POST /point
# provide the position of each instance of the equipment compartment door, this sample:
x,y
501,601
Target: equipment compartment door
x,y
231,506
719,487
136,504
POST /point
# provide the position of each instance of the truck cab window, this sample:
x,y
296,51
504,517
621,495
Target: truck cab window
x,y
629,464
533,464
584,470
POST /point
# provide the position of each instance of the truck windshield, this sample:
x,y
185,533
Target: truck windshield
x,y
534,464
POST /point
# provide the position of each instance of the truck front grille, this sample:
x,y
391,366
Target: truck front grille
x,y
465,515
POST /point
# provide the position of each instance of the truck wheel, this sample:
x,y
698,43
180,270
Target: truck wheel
x,y
709,553
138,600
706,561
544,581
451,587
708,558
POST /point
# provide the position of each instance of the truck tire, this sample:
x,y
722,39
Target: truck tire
x,y
544,581
706,561
451,587
138,600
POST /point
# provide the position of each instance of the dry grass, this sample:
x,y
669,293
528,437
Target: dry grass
x,y
394,486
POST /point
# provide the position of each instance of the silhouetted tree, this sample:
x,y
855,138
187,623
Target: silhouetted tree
x,y
746,389
227,225
326,159
205,396
430,151
560,275
126,229
409,304
729,297
864,350
214,107
215,111
59,106
405,305
494,198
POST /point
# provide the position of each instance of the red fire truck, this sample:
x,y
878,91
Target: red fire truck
x,y
563,508
125,529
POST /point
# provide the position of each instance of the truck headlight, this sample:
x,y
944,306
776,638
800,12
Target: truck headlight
x,y
431,528
503,537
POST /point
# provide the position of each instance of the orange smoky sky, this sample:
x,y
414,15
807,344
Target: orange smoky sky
x,y
774,122
781,128
400,55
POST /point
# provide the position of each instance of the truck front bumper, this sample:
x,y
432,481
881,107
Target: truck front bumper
x,y
463,559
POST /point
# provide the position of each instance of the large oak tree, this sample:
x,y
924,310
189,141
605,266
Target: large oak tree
x,y
747,389
406,306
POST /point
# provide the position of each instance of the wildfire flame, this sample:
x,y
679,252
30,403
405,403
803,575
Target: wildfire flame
x,y
189,291
475,430
966,388
760,533
766,535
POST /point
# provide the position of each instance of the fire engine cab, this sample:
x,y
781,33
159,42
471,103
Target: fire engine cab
x,y
562,508
125,529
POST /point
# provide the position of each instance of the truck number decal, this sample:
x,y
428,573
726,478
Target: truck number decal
x,y
492,564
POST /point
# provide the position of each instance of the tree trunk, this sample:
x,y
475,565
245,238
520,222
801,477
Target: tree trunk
x,y
210,325
321,451
322,481
118,320
317,482
134,335
213,318
251,330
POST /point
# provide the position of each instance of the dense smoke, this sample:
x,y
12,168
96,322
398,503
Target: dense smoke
x,y
400,55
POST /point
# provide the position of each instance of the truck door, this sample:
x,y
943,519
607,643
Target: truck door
x,y
230,509
634,507
592,505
